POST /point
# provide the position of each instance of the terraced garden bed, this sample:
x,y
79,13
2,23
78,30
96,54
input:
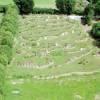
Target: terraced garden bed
x,y
54,59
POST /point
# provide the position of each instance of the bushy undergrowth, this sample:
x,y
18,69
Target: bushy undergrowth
x,y
45,11
8,29
25,6
65,6
95,32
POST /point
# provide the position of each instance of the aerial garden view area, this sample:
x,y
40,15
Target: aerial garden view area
x,y
50,50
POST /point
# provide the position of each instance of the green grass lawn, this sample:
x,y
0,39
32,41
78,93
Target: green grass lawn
x,y
70,88
45,3
47,49
6,2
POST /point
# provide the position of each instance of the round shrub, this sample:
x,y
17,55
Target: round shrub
x,y
25,6
95,32
65,6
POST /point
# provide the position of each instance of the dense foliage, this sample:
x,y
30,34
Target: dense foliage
x,y
25,6
97,8
45,11
8,29
65,6
95,32
89,13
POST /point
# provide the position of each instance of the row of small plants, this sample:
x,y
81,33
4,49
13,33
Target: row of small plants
x,y
8,29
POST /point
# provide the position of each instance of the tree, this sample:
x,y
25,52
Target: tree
x,y
65,6
95,32
97,8
89,13
25,6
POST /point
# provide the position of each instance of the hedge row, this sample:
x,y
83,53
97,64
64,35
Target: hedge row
x,y
8,30
45,11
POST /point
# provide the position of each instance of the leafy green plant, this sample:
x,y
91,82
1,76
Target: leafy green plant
x,y
65,6
89,14
95,32
25,6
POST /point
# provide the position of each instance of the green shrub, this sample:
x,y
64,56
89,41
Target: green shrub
x,y
93,1
8,29
97,8
45,11
6,50
80,5
3,59
89,14
6,38
60,5
2,78
25,6
65,6
95,32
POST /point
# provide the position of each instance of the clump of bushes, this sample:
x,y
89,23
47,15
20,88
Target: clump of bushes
x,y
97,9
25,6
95,32
8,29
65,6
89,13
92,11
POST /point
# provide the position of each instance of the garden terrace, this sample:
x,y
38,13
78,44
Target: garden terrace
x,y
53,51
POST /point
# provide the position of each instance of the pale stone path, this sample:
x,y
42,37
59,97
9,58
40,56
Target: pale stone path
x,y
65,75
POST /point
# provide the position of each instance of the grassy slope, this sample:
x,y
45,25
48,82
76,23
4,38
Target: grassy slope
x,y
71,88
37,34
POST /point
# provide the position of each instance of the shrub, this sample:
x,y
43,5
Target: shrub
x,y
65,6
45,11
7,30
97,8
89,13
60,5
95,32
6,50
6,38
93,1
80,5
3,59
25,6
2,78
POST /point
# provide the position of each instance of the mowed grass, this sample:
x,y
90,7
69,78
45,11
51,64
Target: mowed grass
x,y
49,46
45,3
70,88
5,2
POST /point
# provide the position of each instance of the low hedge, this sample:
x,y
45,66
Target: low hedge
x,y
45,11
8,29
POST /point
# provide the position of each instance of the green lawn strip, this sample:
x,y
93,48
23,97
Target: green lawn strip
x,y
45,3
72,88
6,2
